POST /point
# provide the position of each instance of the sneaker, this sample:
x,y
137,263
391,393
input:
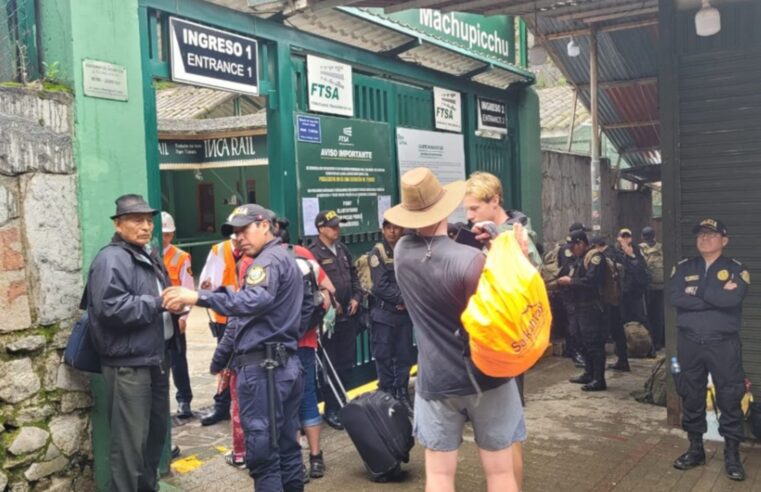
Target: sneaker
x,y
239,463
183,410
316,465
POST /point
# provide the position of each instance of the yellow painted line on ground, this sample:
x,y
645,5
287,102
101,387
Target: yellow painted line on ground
x,y
365,388
187,464
221,449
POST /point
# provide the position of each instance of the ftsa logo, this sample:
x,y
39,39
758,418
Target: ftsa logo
x,y
346,137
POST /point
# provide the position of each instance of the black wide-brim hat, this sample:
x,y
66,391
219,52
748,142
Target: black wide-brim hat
x,y
132,204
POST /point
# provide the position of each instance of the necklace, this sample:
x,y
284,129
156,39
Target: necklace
x,y
428,245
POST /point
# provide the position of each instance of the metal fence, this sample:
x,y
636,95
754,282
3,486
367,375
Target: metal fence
x,y
19,58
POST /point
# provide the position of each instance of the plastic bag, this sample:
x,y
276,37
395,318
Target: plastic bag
x,y
508,318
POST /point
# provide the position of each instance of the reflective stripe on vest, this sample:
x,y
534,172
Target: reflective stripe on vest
x,y
229,276
173,261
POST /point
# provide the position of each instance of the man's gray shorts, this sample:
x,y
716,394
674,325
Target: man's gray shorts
x,y
497,419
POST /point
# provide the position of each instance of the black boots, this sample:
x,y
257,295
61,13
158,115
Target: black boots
x,y
598,375
732,463
620,365
695,455
586,376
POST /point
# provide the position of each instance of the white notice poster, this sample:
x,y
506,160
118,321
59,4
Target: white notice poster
x,y
442,153
330,86
448,109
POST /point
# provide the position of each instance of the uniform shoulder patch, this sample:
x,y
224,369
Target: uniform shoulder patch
x,y
568,253
256,275
374,261
596,259
745,275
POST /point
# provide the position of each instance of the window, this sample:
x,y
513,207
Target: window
x,y
206,213
250,191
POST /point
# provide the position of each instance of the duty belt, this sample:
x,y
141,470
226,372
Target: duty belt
x,y
386,306
258,356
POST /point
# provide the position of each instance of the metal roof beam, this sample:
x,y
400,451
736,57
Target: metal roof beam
x,y
315,5
609,11
522,8
611,84
632,13
487,67
609,28
580,8
631,124
409,45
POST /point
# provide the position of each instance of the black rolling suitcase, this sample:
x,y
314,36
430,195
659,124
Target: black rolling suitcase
x,y
378,424
381,430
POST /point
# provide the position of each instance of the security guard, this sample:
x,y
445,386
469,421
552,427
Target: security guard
x,y
585,282
334,257
262,337
707,292
391,324
566,260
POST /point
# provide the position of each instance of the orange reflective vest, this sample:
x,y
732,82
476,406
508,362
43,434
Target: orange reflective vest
x,y
174,258
229,275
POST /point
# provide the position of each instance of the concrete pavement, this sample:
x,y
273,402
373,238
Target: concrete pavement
x,y
577,441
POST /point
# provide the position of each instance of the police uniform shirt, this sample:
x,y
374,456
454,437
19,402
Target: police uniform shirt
x,y
340,269
588,278
386,293
705,310
264,309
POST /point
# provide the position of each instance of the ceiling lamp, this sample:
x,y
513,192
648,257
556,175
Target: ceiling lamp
x,y
707,20
572,48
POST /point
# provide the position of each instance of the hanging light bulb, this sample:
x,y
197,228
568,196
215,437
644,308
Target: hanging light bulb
x,y
707,20
572,48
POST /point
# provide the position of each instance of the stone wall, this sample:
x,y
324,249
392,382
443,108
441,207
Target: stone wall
x,y
44,421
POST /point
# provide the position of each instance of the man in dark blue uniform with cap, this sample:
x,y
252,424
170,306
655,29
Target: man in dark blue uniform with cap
x,y
585,282
707,292
391,323
261,345
341,346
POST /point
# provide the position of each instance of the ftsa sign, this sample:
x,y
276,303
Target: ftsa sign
x,y
330,86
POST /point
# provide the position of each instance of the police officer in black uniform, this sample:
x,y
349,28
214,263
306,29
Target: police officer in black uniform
x,y
260,342
586,282
707,292
566,260
391,324
334,257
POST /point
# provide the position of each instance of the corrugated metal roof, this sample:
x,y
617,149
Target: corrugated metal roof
x,y
185,101
440,59
556,109
347,29
190,126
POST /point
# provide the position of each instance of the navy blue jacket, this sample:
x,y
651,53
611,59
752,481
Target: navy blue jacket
x,y
587,280
266,309
634,281
341,271
124,305
705,311
386,294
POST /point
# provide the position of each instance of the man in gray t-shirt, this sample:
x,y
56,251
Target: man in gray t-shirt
x,y
437,276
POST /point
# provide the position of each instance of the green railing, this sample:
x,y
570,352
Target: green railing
x,y
19,56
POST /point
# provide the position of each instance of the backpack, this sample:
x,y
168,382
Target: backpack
x,y
362,264
611,288
508,318
312,311
654,391
654,260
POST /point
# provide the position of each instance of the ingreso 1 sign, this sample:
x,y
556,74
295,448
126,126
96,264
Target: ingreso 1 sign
x,y
209,57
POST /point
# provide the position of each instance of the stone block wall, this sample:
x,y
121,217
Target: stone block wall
x,y
44,420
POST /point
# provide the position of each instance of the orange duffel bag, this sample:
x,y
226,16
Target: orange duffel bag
x,y
508,318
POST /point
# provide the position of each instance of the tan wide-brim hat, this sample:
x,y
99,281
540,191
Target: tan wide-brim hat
x,y
424,200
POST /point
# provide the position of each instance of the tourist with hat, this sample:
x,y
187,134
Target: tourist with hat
x,y
132,334
341,345
707,292
177,264
437,276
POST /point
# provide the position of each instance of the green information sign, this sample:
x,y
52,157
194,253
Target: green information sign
x,y
343,165
492,36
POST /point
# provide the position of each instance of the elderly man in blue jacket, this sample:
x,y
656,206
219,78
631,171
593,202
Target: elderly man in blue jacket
x,y
131,332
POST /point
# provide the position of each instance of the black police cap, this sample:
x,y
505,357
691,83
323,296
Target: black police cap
x,y
713,225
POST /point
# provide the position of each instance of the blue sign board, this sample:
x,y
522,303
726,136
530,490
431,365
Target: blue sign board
x,y
308,129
